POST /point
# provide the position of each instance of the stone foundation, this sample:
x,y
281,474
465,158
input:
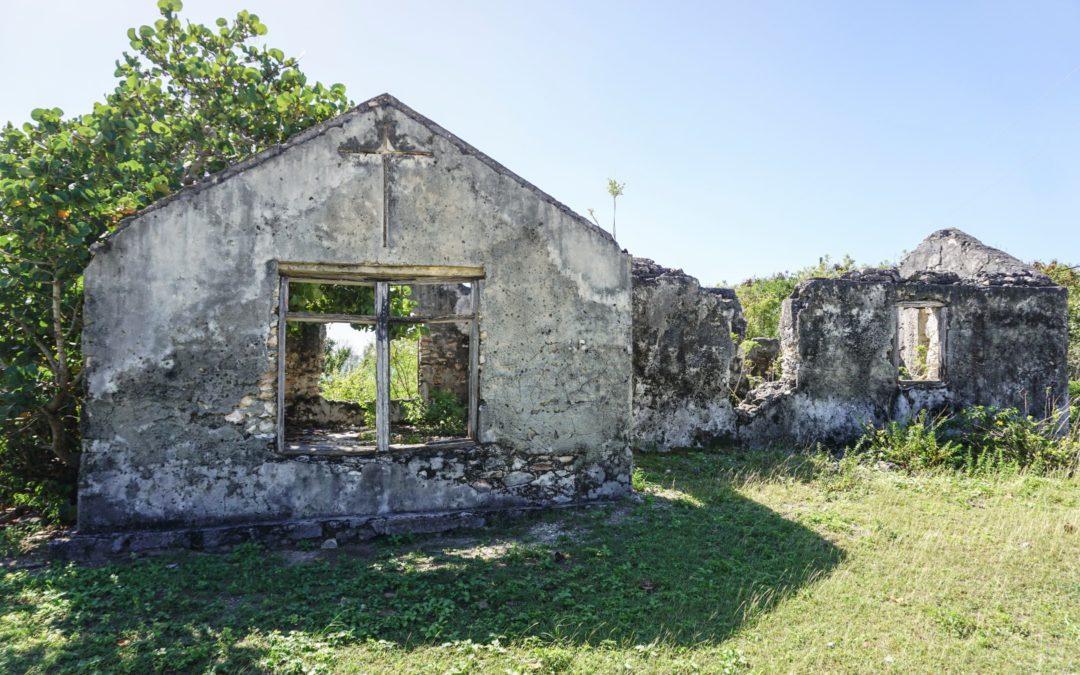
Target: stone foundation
x,y
102,547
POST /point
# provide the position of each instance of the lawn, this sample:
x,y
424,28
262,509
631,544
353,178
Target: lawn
x,y
724,563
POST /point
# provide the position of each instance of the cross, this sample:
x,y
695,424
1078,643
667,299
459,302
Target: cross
x,y
386,150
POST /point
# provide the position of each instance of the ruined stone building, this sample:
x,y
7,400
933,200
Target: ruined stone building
x,y
511,352
956,324
206,329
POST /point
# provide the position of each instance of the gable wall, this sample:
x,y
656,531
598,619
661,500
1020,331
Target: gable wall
x,y
181,339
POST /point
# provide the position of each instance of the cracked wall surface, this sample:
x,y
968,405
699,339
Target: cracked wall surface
x,y
181,336
683,358
1004,345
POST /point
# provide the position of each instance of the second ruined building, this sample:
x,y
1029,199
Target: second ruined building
x,y
956,324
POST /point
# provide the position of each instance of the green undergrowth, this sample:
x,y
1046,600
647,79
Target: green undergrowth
x,y
974,440
726,562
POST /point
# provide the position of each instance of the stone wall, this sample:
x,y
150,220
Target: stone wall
x,y
304,357
305,354
1002,342
685,367
444,348
181,335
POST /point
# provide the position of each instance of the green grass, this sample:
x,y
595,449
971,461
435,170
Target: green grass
x,y
728,564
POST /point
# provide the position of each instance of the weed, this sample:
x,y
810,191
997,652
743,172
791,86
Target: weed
x,y
977,440
15,537
954,623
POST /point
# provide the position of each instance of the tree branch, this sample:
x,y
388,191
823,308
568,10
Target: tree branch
x,y
37,343
27,261
63,374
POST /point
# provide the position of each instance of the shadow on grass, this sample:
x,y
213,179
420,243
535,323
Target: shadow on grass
x,y
687,565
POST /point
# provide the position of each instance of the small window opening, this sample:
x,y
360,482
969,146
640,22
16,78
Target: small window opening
x,y
377,365
920,343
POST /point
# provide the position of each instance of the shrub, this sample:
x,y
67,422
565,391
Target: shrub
x,y
443,413
762,297
189,100
32,480
1068,276
914,445
1007,437
976,439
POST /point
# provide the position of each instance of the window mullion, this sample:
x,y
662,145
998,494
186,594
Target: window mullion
x,y
382,366
474,363
282,329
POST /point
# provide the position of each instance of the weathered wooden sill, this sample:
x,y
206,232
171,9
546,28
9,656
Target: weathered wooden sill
x,y
922,384
321,450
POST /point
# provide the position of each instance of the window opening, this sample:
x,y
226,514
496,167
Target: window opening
x,y
430,364
374,365
920,342
329,366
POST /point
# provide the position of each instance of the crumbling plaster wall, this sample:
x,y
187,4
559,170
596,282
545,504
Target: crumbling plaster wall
x,y
1005,342
836,358
683,358
181,336
1005,345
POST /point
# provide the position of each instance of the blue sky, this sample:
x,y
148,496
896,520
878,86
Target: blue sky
x,y
753,137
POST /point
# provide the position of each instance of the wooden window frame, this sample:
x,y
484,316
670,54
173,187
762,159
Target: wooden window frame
x,y
382,277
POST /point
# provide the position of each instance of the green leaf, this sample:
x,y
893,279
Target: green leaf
x,y
184,99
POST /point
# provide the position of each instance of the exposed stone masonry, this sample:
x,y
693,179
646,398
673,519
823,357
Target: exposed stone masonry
x,y
1001,342
444,348
305,356
685,366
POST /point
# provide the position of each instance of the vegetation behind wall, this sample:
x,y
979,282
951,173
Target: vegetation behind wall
x,y
761,297
1068,276
189,100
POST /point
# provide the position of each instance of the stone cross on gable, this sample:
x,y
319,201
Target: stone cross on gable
x,y
386,151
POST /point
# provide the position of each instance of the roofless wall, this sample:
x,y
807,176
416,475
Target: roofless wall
x,y
185,306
